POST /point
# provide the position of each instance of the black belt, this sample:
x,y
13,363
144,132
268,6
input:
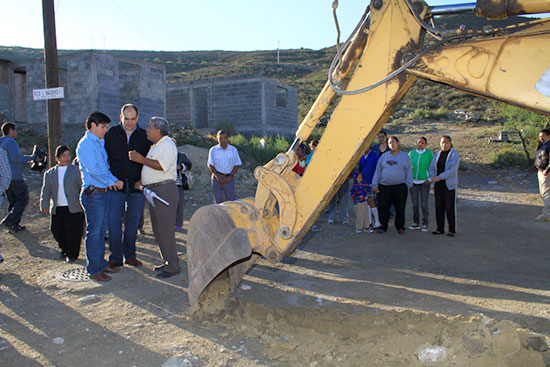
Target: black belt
x,y
159,183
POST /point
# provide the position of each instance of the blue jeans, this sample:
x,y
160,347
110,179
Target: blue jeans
x,y
95,209
129,206
18,197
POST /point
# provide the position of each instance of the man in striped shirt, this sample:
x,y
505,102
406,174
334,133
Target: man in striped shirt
x,y
223,161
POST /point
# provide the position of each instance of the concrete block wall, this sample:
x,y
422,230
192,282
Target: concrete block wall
x,y
247,103
178,103
238,103
79,89
5,87
280,120
152,94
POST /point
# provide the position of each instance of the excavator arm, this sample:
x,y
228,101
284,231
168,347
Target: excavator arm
x,y
375,71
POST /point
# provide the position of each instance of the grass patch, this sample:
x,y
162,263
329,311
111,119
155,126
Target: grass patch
x,y
262,149
507,157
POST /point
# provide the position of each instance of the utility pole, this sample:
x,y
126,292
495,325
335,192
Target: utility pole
x,y
278,52
53,106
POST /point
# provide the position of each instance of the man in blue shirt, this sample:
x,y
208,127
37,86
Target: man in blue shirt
x,y
18,192
96,181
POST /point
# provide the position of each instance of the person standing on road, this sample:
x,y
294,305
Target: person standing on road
x,y
159,175
542,157
382,146
97,179
18,192
127,203
392,178
444,173
5,179
359,194
60,196
367,167
420,190
224,162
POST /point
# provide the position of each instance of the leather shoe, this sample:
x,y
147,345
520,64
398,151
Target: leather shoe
x,y
134,262
114,264
165,274
101,277
108,269
159,268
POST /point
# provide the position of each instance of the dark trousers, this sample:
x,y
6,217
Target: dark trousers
x,y
225,192
67,230
419,194
181,201
445,205
162,221
18,198
396,195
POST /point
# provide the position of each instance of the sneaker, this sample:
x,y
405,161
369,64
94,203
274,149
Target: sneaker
x,y
370,229
359,231
330,221
314,228
414,226
401,231
542,218
424,228
345,222
140,231
380,230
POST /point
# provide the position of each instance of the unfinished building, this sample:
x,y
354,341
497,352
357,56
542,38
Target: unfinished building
x,y
92,80
250,104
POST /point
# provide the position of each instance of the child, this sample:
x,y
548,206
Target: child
x,y
359,194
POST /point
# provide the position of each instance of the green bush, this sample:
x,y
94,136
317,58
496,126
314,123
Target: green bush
x,y
272,146
426,114
507,157
193,140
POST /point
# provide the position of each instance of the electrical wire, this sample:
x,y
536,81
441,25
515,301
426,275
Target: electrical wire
x,y
437,33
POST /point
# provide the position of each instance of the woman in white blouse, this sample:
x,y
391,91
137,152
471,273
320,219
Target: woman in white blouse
x,y
60,197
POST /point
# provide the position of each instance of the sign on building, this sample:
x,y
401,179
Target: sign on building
x,y
50,93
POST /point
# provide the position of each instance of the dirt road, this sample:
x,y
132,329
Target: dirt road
x,y
341,300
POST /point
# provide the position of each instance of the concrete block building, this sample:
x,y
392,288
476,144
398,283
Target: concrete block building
x,y
92,80
251,104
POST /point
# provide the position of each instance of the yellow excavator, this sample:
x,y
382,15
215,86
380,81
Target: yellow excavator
x,y
372,71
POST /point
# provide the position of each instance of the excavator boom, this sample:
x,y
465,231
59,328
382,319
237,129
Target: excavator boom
x,y
383,61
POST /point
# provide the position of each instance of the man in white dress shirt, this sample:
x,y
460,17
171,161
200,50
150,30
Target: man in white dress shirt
x,y
223,161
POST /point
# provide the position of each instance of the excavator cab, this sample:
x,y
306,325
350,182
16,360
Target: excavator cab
x,y
372,71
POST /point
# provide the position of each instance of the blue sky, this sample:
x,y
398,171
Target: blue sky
x,y
172,25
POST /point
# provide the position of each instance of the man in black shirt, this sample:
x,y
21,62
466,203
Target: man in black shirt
x,y
128,202
542,156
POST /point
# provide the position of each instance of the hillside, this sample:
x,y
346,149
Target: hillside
x,y
304,69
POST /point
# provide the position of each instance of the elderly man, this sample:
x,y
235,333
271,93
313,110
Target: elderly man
x,y
96,181
18,192
542,160
159,175
223,161
128,202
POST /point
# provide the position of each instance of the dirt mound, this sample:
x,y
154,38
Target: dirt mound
x,y
314,337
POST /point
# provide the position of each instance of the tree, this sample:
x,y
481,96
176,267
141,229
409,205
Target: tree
x,y
526,124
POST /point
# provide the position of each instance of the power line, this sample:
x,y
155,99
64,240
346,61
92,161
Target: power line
x,y
134,24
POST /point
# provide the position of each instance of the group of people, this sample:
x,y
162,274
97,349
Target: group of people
x,y
386,175
115,170
104,189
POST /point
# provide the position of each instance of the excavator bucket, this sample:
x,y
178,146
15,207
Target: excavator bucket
x,y
216,244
